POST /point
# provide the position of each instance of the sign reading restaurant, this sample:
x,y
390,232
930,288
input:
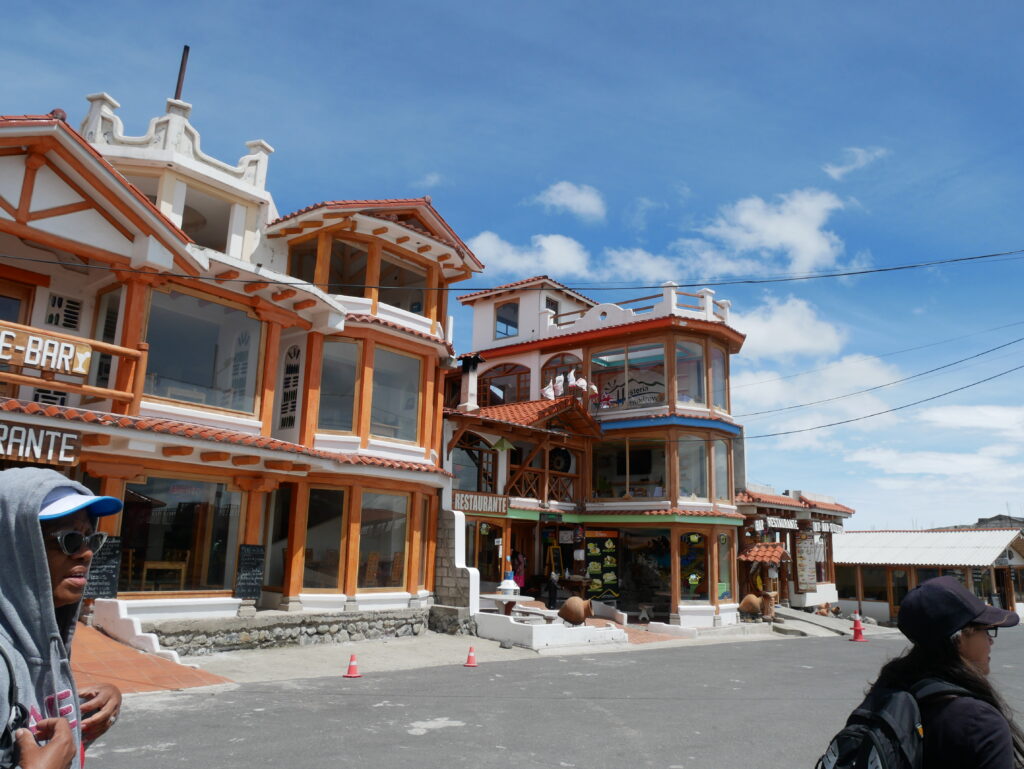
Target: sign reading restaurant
x,y
26,443
476,502
19,347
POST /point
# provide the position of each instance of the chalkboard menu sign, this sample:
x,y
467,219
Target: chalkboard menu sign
x,y
105,570
602,564
249,581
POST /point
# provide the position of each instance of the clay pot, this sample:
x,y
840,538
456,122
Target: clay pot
x,y
575,610
750,604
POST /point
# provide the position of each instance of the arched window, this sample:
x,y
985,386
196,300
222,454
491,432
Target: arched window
x,y
474,464
560,364
504,383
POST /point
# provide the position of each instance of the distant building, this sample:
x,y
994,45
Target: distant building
x,y
994,522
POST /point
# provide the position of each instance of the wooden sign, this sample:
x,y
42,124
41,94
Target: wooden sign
x,y
249,579
806,571
478,502
27,443
105,570
44,352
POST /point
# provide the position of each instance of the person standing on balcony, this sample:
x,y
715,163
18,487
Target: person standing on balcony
x,y
47,542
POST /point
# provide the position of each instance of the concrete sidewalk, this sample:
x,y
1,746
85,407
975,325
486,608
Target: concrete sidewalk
x,y
830,625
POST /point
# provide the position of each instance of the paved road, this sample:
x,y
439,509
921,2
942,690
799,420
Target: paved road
x,y
768,704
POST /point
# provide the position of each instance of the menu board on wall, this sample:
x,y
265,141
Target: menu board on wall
x,y
806,571
602,564
105,570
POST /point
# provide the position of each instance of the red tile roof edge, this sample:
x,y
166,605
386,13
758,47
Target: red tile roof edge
x,y
764,552
373,320
205,433
670,511
523,282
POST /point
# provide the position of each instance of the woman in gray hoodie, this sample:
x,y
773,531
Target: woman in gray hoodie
x,y
47,541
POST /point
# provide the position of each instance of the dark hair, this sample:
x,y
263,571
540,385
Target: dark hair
x,y
943,661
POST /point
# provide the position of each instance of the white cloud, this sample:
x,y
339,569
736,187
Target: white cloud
x,y
991,465
581,200
790,227
854,159
1006,421
636,216
635,264
554,255
782,330
428,181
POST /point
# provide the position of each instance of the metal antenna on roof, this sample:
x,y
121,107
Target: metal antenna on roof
x,y
181,73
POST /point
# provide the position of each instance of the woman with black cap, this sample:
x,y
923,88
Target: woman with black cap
x,y
952,633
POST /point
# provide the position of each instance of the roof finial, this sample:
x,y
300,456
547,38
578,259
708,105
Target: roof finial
x,y
181,73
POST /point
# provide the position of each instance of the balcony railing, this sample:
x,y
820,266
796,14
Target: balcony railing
x,y
53,354
530,485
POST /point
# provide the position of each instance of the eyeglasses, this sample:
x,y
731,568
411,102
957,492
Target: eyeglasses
x,y
992,631
73,542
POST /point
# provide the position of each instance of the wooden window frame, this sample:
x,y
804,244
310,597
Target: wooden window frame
x,y
421,393
410,498
549,371
519,320
518,370
358,390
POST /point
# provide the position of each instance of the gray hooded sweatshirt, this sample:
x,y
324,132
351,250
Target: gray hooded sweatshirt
x,y
35,635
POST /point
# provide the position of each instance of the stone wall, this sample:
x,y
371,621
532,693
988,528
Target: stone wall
x,y
451,620
451,583
276,628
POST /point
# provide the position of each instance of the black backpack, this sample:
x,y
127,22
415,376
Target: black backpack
x,y
16,719
885,732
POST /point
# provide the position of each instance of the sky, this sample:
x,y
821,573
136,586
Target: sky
x,y
617,145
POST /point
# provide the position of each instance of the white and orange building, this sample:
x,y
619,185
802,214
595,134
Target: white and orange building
x,y
623,486
235,375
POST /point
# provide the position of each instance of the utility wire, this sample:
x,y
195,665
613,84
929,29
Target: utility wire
x,y
881,386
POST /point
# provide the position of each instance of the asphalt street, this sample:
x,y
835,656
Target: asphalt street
x,y
767,704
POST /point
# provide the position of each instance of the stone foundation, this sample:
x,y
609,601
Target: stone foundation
x,y
276,628
451,620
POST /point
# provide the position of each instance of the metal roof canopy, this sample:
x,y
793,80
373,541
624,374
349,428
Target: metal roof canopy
x,y
925,548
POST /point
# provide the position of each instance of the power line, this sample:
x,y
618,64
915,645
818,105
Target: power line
x,y
879,355
881,386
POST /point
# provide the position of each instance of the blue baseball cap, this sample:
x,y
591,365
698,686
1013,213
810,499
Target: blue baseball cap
x,y
65,500
936,609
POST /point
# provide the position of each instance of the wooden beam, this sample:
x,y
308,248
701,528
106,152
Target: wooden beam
x,y
423,249
309,416
271,354
252,288
455,439
245,459
401,238
28,182
70,208
301,468
280,296
273,235
379,231
95,440
278,464
227,275
215,456
338,215
177,451
310,224
304,304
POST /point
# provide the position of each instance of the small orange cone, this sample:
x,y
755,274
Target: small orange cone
x,y
353,668
858,629
471,659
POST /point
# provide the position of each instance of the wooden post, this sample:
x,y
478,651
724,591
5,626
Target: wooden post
x,y
674,532
321,272
295,563
256,488
413,538
712,573
671,396
310,416
351,536
430,300
427,402
365,402
111,487
373,275
271,354
136,297
430,532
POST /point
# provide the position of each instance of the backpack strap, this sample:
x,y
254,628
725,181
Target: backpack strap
x,y
933,687
16,717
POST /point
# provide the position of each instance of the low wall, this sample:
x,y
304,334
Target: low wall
x,y
451,620
499,627
277,628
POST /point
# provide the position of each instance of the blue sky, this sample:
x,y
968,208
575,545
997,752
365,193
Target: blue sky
x,y
605,141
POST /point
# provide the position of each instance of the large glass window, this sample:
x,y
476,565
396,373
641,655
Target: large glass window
x,y
396,395
483,549
633,468
639,570
821,548
202,352
302,261
402,285
874,581
279,509
108,309
724,567
323,538
693,467
720,467
561,365
504,383
719,380
690,373
846,582
179,535
900,585
506,320
926,573
693,567
632,377
347,272
382,540
338,384
473,463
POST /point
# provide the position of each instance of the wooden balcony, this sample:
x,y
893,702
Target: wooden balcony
x,y
530,485
52,354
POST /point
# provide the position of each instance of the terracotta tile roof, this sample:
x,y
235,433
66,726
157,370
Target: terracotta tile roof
x,y
770,500
834,506
17,120
524,413
526,281
716,513
354,204
765,552
204,433
373,320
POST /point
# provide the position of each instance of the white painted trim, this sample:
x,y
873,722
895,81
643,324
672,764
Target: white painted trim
x,y
111,616
199,416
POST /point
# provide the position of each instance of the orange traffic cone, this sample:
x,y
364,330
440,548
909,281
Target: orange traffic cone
x,y
858,629
471,659
353,668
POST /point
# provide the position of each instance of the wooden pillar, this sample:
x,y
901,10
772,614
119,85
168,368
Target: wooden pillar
x,y
712,573
271,355
295,562
671,397
373,275
674,532
256,488
430,531
351,532
413,539
365,402
310,416
111,487
427,402
136,297
672,481
859,581
545,493
430,300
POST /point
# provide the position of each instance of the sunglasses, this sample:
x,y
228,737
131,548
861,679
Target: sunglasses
x,y
73,542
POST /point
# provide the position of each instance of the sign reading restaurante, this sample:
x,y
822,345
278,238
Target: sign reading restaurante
x,y
23,443
476,502
19,347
